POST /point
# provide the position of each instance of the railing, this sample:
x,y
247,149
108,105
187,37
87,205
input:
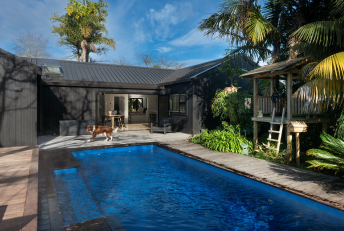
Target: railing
x,y
299,107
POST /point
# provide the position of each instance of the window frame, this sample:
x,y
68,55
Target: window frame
x,y
180,102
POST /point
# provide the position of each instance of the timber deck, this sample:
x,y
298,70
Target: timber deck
x,y
18,188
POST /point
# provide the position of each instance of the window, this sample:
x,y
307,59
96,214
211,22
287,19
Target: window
x,y
52,70
178,103
135,104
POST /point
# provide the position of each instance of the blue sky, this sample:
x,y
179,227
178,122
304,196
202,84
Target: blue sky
x,y
162,27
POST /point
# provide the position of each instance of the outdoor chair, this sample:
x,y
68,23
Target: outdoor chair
x,y
165,125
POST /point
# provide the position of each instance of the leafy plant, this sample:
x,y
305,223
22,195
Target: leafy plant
x,y
331,154
340,127
226,140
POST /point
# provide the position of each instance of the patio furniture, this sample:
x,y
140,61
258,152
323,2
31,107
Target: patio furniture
x,y
113,117
165,125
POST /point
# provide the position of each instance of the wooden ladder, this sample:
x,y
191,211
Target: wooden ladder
x,y
272,123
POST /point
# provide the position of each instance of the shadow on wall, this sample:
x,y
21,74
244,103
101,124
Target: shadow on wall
x,y
18,101
65,103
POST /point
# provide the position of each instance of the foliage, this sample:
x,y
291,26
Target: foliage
x,y
262,28
330,156
31,45
340,127
324,42
233,106
82,27
227,139
230,69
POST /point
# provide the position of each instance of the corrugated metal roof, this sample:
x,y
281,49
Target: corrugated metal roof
x,y
274,67
185,74
79,71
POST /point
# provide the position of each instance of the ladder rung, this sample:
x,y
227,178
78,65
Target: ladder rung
x,y
274,131
273,140
275,122
272,148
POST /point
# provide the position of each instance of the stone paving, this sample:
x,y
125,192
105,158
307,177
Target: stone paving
x,y
319,187
18,188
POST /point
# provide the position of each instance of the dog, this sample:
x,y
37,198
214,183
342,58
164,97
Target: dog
x,y
98,130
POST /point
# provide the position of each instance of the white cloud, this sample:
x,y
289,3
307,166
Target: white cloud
x,y
196,38
164,49
162,20
140,35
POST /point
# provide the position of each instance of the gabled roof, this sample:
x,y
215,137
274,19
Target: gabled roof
x,y
187,73
275,67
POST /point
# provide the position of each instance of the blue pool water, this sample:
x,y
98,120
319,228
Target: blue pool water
x,y
150,188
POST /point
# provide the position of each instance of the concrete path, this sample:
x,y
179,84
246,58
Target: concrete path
x,y
125,137
18,188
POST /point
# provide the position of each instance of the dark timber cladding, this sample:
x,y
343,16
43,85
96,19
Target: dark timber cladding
x,y
73,103
18,101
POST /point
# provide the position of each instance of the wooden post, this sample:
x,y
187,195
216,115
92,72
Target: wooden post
x,y
289,97
255,113
255,97
289,142
289,137
272,91
297,135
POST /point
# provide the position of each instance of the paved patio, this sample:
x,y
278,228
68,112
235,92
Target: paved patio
x,y
18,188
319,187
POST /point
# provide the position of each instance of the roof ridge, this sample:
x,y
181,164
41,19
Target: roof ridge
x,y
116,65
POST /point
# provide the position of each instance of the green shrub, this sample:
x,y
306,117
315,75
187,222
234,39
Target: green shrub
x,y
226,139
331,154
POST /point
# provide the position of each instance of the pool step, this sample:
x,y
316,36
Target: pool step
x,y
274,131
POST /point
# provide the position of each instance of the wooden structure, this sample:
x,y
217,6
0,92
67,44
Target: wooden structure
x,y
296,109
297,127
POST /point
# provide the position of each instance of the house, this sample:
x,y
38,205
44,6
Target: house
x,y
50,91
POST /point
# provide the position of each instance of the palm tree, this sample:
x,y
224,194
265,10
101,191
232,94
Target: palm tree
x,y
324,41
83,27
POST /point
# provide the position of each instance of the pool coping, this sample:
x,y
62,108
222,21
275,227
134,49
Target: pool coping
x,y
55,216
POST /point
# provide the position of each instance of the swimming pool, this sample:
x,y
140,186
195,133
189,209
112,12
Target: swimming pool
x,y
150,188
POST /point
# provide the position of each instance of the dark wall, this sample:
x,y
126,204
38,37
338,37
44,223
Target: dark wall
x,y
204,89
18,101
182,122
72,103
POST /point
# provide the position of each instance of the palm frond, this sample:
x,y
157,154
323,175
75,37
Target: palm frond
x,y
324,33
321,93
333,144
323,164
338,6
325,156
306,69
258,27
260,52
331,67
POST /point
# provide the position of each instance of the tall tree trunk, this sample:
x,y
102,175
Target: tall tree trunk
x,y
84,46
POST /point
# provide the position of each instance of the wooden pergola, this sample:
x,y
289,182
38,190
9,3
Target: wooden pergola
x,y
295,110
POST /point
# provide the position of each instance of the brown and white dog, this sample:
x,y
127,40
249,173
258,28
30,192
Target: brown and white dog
x,y
101,130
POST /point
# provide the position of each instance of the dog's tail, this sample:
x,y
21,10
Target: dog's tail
x,y
115,130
